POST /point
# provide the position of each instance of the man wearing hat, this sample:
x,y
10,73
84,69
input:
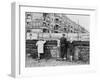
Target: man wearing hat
x,y
63,47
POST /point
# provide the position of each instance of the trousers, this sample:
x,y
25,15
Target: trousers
x,y
63,51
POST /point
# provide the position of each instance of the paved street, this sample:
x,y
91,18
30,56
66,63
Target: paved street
x,y
51,62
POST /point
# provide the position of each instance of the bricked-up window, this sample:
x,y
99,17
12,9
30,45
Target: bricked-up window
x,y
28,23
44,23
65,29
28,30
45,30
56,32
28,16
56,27
44,15
56,20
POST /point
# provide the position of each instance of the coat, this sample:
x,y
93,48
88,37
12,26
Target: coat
x,y
40,46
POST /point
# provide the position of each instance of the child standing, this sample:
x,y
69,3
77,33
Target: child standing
x,y
40,47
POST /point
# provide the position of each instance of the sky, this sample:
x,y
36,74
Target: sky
x,y
84,21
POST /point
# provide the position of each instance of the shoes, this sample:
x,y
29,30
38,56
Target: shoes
x,y
62,59
38,61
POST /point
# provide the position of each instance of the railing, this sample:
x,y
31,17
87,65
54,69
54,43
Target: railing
x,y
55,36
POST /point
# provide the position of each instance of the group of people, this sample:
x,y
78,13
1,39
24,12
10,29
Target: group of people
x,y
61,46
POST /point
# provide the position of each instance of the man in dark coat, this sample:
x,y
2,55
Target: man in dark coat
x,y
63,47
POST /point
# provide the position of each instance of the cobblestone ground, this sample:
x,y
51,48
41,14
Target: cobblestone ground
x,y
51,62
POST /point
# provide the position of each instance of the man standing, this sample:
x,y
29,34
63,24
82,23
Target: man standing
x,y
63,47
